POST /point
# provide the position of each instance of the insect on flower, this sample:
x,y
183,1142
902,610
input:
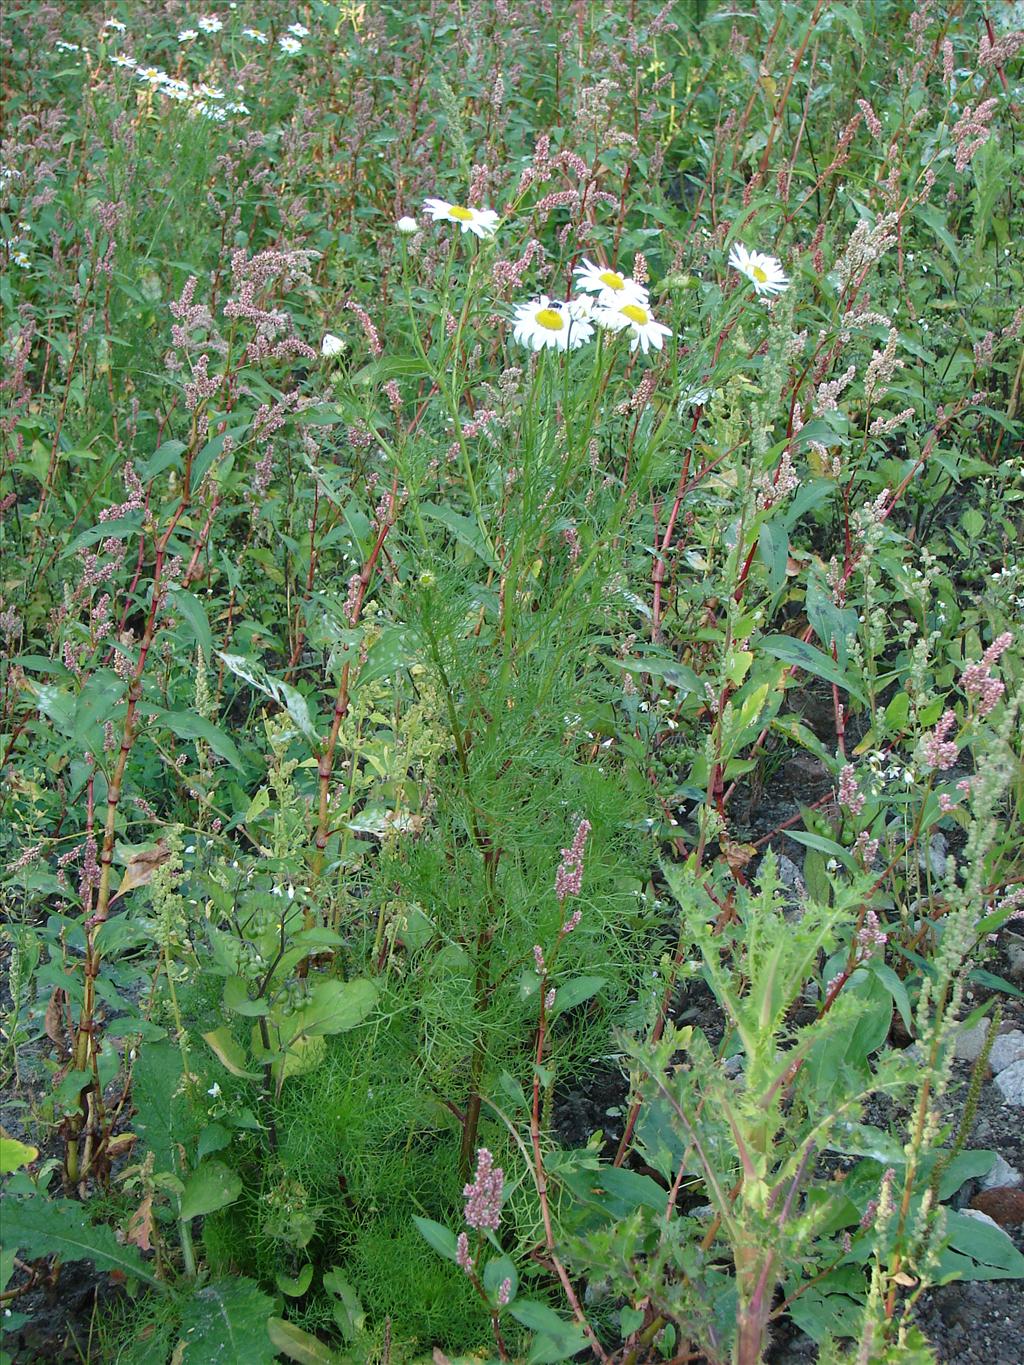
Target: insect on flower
x,y
543,323
610,287
764,272
481,222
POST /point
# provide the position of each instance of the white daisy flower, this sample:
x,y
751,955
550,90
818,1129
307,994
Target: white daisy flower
x,y
176,90
62,46
481,222
121,60
209,92
543,322
611,288
764,272
637,319
236,107
332,345
255,35
19,258
289,45
300,30
209,23
152,75
407,226
187,35
115,25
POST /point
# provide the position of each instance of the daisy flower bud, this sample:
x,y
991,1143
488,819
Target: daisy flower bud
x,y
407,226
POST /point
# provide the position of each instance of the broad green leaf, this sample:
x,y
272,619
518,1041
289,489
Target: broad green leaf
x,y
223,1044
14,1155
575,991
283,693
298,1345
439,1237
557,1338
210,1187
227,1321
295,1286
238,1001
978,1251
190,607
464,530
189,725
803,655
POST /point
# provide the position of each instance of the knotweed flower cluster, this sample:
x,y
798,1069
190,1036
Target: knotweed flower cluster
x,y
977,680
483,1196
569,877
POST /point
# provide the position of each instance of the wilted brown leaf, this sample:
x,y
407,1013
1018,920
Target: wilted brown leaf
x,y
53,1019
141,867
140,1225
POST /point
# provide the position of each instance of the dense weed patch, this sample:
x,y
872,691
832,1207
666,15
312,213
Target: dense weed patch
x,y
459,462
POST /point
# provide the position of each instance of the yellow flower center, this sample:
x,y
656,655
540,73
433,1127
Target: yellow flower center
x,y
636,314
463,215
550,318
759,274
612,279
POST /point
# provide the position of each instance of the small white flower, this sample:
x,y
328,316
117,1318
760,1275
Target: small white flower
x,y
289,44
62,46
19,258
300,30
188,35
152,75
209,92
581,308
214,1090
114,24
121,60
332,345
764,272
209,23
255,35
542,323
176,90
236,107
610,287
481,222
638,321
407,226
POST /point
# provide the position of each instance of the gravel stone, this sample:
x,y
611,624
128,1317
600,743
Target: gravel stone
x,y
1001,1175
1010,1083
1007,1049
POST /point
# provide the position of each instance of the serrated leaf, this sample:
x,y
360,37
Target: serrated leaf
x,y
60,1227
226,1322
